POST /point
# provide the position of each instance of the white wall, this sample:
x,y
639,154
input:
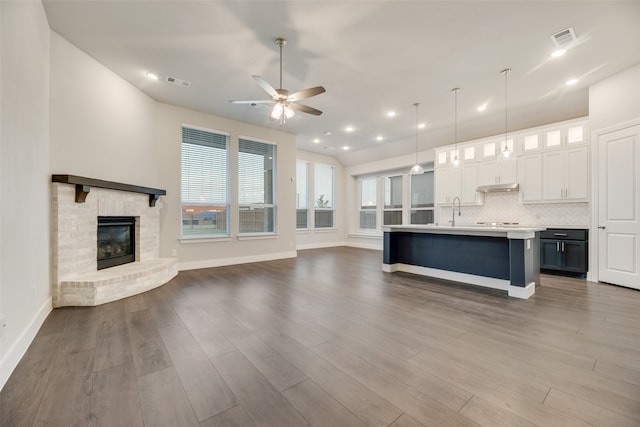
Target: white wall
x,y
351,175
229,251
615,100
614,103
24,177
319,238
101,126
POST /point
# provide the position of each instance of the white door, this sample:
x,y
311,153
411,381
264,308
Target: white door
x,y
619,210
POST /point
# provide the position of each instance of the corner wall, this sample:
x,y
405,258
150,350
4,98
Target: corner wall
x,y
216,252
25,299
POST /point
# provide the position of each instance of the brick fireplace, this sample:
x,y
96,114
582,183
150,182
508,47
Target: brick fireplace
x,y
77,203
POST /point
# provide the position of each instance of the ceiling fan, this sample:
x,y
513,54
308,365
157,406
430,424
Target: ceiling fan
x,y
285,103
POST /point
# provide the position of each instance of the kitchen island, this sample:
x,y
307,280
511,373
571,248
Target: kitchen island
x,y
498,257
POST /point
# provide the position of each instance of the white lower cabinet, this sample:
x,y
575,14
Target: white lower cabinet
x,y
565,175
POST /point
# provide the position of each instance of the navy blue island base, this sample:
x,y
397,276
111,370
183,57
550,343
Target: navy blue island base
x,y
496,257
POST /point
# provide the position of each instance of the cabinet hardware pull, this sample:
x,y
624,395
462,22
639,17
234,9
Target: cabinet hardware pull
x,y
560,234
557,246
562,246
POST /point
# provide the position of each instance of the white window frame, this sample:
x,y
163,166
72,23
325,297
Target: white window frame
x,y
375,207
383,191
253,206
307,199
316,197
226,204
410,207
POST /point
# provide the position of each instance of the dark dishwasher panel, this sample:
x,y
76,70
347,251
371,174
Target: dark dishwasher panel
x,y
564,251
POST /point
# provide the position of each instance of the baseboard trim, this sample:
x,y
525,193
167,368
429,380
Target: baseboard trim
x,y
221,262
19,348
375,246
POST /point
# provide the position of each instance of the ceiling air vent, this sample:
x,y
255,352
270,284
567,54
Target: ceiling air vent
x,y
564,38
178,82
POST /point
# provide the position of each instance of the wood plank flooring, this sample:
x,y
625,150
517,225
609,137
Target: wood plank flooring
x,y
328,339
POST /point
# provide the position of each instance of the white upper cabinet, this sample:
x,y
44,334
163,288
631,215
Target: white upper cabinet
x,y
565,136
530,143
530,178
469,185
499,171
565,176
549,162
447,185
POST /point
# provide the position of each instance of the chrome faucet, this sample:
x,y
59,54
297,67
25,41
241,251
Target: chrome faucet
x,y
453,211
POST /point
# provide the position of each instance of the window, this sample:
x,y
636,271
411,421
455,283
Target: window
x,y
204,183
422,198
392,212
324,177
368,203
302,194
256,186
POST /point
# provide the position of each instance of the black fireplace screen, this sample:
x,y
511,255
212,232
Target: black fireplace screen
x,y
116,240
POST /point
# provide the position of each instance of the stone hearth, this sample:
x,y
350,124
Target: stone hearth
x,y
76,280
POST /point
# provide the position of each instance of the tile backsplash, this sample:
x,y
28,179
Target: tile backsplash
x,y
506,207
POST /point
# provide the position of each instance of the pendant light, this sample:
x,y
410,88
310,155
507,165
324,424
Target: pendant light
x,y
456,159
416,169
506,152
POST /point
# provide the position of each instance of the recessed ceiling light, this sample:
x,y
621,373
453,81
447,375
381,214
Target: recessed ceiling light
x,y
558,53
391,114
379,138
571,82
345,148
349,129
482,107
315,141
152,76
422,126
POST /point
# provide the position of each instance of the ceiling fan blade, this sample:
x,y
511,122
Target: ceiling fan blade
x,y
306,93
258,101
305,109
265,86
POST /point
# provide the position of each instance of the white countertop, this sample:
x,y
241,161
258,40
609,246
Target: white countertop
x,y
508,231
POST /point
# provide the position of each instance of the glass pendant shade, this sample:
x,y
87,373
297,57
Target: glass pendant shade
x,y
416,170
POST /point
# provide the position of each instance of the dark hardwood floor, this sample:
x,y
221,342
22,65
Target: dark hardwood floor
x,y
328,339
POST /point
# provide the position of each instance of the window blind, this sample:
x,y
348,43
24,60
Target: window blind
x,y
204,167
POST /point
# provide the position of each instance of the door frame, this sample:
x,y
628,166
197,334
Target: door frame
x,y
593,273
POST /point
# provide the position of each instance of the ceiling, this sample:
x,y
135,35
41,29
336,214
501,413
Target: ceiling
x,y
371,56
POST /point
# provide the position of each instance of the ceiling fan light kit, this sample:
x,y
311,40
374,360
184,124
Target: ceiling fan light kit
x,y
286,104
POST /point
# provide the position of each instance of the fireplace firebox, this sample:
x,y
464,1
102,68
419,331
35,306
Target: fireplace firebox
x,y
116,240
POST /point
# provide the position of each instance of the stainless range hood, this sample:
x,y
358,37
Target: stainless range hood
x,y
498,187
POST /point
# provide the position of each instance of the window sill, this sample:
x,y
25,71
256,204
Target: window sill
x,y
257,236
303,231
325,230
364,235
204,239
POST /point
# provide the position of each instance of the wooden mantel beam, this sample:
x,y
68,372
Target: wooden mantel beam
x,y
83,187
